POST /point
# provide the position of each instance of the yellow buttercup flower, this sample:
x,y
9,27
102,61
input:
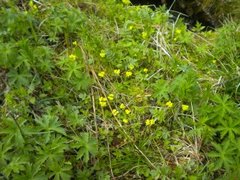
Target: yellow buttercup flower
x,y
130,27
125,121
169,104
128,74
178,31
122,106
73,57
127,111
185,107
103,104
116,71
145,70
103,101
102,54
149,122
110,97
115,112
74,43
101,74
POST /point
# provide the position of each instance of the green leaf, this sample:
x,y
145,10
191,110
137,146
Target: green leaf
x,y
86,145
223,155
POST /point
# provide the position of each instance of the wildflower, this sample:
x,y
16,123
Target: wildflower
x,y
131,67
130,27
125,121
110,97
33,6
185,107
127,111
128,73
115,112
178,31
101,74
74,43
72,57
144,35
127,2
169,104
103,101
102,54
116,71
149,122
145,70
122,106
214,61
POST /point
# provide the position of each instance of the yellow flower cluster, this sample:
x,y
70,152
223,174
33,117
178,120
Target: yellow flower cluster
x,y
103,101
127,111
101,74
169,104
185,107
125,121
74,43
73,57
178,31
115,112
145,70
149,122
122,106
116,72
102,54
128,74
110,97
32,5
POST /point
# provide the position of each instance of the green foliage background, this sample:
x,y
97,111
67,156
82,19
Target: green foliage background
x,y
80,83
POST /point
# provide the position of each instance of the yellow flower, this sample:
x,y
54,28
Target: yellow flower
x,y
214,61
125,121
185,107
101,74
128,73
103,103
73,57
131,67
127,111
102,54
116,71
149,122
33,6
178,31
127,2
144,35
145,70
122,106
74,43
115,112
130,27
102,99
169,104
110,97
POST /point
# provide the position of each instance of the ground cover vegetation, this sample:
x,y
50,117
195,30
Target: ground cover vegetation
x,y
106,90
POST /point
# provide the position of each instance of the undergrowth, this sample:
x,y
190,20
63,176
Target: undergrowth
x,y
105,90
